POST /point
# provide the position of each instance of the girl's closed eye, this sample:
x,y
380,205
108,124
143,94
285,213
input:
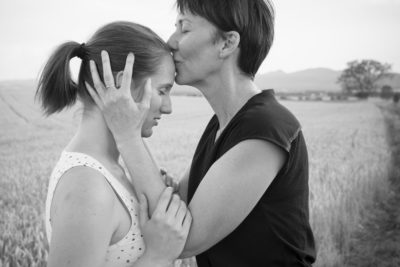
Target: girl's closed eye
x,y
162,91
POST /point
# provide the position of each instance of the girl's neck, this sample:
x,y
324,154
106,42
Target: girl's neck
x,y
94,138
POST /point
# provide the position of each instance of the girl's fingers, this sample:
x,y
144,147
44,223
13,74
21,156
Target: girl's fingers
x,y
107,72
127,76
147,94
180,215
143,210
96,79
187,222
174,206
164,200
94,96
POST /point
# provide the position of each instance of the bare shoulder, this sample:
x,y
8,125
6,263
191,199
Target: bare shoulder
x,y
82,189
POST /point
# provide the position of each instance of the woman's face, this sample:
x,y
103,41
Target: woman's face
x,y
160,102
194,49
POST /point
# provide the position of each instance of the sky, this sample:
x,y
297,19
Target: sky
x,y
308,33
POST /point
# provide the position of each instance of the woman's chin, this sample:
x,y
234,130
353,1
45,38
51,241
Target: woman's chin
x,y
179,79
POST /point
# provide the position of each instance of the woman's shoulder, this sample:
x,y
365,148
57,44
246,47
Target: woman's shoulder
x,y
265,108
265,118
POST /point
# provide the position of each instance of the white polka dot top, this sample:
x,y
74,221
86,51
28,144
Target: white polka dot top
x,y
131,247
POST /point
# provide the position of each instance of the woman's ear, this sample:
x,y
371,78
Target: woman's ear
x,y
231,41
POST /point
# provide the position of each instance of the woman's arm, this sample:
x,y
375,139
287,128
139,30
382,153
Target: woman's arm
x,y
228,192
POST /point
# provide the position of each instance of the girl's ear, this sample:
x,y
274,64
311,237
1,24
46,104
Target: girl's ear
x,y
136,89
118,78
231,41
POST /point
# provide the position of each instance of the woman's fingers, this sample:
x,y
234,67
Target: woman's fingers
x,y
94,96
127,76
107,72
96,79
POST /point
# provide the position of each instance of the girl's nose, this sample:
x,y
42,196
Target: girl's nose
x,y
166,107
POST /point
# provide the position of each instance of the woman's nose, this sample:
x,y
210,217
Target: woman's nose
x,y
172,42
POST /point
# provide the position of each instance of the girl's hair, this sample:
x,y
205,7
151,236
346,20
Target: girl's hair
x,y
56,89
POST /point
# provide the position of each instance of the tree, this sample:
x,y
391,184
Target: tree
x,y
396,97
386,92
361,77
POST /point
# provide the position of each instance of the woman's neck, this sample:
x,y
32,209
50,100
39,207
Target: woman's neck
x,y
94,138
227,94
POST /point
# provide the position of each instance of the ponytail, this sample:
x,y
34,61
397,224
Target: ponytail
x,y
55,89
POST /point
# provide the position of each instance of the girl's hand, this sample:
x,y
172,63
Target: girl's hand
x,y
169,180
123,116
166,231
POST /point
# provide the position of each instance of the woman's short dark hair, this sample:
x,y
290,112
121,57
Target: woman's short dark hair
x,y
252,19
57,90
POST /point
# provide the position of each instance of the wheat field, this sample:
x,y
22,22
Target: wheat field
x,y
348,153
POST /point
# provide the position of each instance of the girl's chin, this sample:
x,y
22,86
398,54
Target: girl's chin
x,y
147,132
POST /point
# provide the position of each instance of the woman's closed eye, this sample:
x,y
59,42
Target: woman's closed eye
x,y
184,28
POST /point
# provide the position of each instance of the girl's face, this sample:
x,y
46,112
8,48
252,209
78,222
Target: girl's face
x,y
195,51
160,102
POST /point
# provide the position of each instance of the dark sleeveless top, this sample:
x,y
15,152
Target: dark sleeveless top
x,y
277,231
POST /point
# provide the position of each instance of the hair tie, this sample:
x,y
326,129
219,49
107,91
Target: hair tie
x,y
81,51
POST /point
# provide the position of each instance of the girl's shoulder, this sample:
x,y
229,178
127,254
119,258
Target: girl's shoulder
x,y
83,189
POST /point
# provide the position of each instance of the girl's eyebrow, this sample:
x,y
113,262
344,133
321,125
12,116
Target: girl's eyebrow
x,y
168,86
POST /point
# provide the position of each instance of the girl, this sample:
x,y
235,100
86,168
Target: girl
x,y
93,216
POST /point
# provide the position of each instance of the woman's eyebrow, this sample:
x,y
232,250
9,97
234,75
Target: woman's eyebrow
x,y
181,21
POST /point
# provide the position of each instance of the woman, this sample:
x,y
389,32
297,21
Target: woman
x,y
92,209
247,186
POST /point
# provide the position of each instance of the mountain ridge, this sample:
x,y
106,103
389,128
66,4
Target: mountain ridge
x,y
312,79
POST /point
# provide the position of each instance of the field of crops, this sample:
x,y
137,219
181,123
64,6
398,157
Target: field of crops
x,y
348,153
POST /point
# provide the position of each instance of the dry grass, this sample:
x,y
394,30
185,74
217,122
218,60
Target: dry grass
x,y
348,166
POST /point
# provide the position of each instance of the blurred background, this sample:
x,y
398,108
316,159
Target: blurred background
x,y
321,49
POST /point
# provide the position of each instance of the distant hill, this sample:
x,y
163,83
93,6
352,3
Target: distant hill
x,y
317,79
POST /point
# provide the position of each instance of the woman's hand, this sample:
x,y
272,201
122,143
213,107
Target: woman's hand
x,y
123,116
166,231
